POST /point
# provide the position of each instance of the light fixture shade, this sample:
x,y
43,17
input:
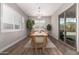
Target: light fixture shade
x,y
39,13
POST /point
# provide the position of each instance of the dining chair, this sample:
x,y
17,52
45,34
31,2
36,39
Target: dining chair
x,y
39,42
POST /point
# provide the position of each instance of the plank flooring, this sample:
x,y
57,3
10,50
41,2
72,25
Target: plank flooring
x,y
66,50
19,49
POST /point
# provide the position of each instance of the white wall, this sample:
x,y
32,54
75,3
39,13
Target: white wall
x,y
7,39
54,23
54,19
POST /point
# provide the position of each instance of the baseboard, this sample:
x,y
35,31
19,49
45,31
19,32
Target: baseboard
x,y
53,37
12,44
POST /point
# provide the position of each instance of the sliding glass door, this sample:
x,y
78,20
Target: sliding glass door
x,y
71,26
61,27
67,26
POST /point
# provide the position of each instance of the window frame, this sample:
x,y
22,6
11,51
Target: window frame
x,y
13,19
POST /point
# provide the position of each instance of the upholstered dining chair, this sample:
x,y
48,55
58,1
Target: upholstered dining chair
x,y
39,42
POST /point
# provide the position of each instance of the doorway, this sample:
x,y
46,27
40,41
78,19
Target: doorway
x,y
67,26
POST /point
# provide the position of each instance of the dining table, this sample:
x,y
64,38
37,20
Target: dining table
x,y
41,36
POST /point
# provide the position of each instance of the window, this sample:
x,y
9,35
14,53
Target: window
x,y
17,21
7,18
23,23
11,19
40,23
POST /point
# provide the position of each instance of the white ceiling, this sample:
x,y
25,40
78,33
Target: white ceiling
x,y
46,9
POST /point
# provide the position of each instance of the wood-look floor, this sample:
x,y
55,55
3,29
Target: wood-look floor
x,y
18,49
65,49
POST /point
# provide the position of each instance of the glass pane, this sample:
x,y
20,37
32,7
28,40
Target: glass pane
x,y
7,26
71,26
61,26
17,26
39,24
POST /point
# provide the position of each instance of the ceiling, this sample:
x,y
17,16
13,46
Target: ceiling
x,y
46,9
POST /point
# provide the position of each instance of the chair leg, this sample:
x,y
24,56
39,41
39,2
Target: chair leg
x,y
36,50
43,49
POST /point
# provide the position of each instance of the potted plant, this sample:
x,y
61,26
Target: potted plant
x,y
29,24
49,28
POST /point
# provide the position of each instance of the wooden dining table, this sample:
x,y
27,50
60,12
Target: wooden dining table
x,y
41,41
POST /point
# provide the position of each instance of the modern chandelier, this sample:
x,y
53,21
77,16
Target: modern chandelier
x,y
39,13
